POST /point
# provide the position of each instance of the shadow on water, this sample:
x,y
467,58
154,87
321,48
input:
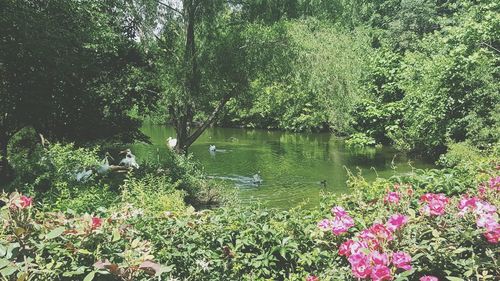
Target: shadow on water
x,y
293,167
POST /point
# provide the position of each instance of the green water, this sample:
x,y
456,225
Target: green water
x,y
291,165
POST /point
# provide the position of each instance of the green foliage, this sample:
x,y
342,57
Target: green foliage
x,y
359,140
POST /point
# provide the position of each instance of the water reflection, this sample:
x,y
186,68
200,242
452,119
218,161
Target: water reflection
x,y
293,166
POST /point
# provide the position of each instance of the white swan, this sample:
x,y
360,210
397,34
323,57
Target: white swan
x,y
83,175
104,167
171,143
129,160
256,179
212,148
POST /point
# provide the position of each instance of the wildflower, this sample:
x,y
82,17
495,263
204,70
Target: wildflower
x,y
380,272
360,265
26,201
96,222
324,224
428,278
312,278
392,197
401,260
396,221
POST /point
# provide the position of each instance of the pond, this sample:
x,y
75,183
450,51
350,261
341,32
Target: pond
x,y
295,168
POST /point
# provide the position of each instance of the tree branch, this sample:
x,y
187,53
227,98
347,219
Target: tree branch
x,y
210,119
171,8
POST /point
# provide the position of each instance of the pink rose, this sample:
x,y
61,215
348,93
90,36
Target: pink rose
x,y
96,222
338,211
487,221
379,258
396,221
341,225
360,265
392,197
428,278
493,236
345,248
381,232
26,201
312,278
401,260
436,204
494,183
380,272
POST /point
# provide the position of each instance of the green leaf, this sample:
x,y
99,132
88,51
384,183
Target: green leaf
x,y
89,276
116,235
55,233
8,271
451,278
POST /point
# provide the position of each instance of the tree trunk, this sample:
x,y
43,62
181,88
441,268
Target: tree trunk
x,y
191,79
5,170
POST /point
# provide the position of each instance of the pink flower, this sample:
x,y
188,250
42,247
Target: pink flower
x,y
392,197
381,232
401,260
487,221
436,204
380,272
360,265
96,222
493,236
341,224
26,201
345,248
494,183
338,211
379,258
483,207
324,224
428,278
396,221
312,278
467,202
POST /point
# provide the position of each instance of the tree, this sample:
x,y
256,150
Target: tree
x,y
206,56
69,69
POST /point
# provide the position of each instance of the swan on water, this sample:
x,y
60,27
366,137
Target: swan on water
x,y
212,148
171,143
129,160
83,175
256,179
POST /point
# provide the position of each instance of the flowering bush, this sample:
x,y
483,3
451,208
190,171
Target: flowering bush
x,y
46,246
458,233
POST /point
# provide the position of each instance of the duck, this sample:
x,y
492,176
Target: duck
x,y
171,142
212,148
129,160
256,179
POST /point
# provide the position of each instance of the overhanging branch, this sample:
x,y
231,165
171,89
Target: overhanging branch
x,y
210,118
